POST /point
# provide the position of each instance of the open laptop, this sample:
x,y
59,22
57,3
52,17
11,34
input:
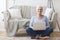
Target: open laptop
x,y
39,26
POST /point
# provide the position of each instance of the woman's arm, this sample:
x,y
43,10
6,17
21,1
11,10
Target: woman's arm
x,y
47,22
31,22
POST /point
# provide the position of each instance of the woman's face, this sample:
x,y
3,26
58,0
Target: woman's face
x,y
39,10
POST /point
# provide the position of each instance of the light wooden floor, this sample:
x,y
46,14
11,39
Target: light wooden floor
x,y
3,36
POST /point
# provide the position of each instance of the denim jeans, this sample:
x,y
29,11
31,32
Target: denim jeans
x,y
43,33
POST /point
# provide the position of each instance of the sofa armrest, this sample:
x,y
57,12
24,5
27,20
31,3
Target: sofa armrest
x,y
53,20
7,16
54,16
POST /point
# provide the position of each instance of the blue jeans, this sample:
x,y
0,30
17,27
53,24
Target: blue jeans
x,y
43,33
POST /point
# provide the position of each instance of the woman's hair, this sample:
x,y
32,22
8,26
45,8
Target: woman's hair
x,y
38,7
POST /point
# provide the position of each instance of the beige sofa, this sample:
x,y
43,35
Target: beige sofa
x,y
27,12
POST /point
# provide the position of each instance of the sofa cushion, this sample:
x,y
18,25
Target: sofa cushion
x,y
15,13
48,12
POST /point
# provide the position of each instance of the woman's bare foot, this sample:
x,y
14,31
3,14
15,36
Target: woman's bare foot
x,y
44,38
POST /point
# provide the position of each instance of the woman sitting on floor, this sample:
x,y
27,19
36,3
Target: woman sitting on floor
x,y
39,18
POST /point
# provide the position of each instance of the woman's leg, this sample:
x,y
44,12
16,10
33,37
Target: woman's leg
x,y
31,32
47,32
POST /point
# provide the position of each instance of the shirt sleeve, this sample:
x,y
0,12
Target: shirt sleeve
x,y
47,22
31,22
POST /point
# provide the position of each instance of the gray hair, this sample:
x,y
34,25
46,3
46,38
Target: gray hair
x,y
38,7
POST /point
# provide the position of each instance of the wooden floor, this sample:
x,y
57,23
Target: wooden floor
x,y
3,36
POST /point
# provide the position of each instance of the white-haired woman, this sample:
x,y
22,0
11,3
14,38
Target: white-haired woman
x,y
39,18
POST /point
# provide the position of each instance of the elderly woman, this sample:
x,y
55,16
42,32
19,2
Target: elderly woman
x,y
39,18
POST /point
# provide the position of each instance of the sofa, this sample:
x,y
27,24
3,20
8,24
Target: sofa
x,y
17,19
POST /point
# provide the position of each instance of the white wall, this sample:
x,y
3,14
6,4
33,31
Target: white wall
x,y
30,2
57,8
26,2
2,8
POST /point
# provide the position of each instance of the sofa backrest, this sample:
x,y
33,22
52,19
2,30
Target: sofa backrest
x,y
25,11
29,11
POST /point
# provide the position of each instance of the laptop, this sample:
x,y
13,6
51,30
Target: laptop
x,y
39,26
